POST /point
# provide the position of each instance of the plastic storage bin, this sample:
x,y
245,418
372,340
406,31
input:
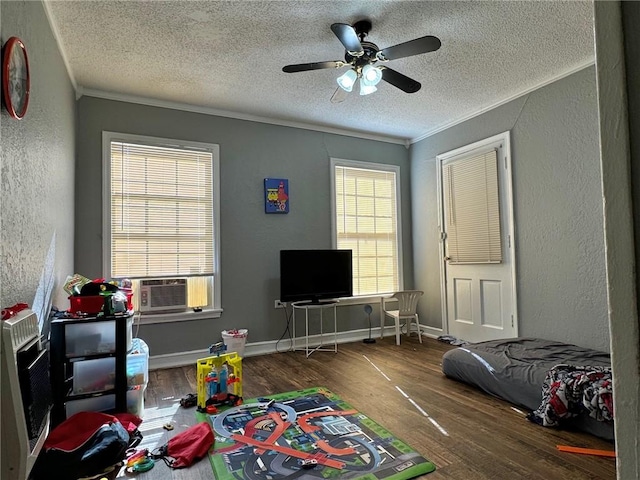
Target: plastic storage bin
x,y
96,375
135,403
93,304
92,404
138,363
96,336
91,376
135,400
89,304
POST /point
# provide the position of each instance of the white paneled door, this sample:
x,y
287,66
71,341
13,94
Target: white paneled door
x,y
476,224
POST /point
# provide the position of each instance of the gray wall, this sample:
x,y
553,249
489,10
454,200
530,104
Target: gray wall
x,y
37,177
618,74
558,210
251,239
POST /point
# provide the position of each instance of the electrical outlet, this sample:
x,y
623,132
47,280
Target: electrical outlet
x,y
278,304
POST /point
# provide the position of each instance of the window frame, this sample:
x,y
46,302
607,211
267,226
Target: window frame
x,y
214,309
381,167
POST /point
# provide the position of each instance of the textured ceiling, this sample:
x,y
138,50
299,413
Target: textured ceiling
x,y
228,56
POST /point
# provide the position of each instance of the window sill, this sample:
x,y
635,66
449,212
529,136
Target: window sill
x,y
151,318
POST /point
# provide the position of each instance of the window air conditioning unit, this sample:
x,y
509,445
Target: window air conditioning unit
x,y
161,295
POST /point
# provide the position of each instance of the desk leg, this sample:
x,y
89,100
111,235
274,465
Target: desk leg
x,y
322,346
293,330
306,316
381,317
321,329
335,329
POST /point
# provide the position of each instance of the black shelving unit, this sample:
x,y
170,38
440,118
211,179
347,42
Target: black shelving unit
x,y
62,364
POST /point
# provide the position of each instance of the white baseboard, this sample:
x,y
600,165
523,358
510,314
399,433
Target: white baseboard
x,y
180,359
432,332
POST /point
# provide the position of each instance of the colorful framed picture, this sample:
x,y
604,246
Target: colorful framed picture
x,y
276,195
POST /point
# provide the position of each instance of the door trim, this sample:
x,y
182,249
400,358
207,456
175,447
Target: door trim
x,y
504,163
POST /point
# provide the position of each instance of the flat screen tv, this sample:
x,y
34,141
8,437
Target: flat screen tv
x,y
315,275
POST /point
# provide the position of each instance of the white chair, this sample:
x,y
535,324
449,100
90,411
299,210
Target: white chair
x,y
407,304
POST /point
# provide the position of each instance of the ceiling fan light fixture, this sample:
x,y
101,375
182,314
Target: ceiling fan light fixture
x,y
347,80
371,75
366,89
368,63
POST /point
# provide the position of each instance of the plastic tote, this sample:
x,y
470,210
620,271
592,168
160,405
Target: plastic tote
x,y
235,340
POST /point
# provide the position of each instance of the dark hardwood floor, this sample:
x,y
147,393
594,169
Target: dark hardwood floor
x,y
464,432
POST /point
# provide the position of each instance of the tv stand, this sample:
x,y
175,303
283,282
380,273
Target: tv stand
x,y
321,346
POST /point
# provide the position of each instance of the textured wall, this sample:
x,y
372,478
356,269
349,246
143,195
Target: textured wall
x,y
558,210
37,176
618,73
251,240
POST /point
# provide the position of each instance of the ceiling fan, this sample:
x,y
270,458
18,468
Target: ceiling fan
x,y
367,62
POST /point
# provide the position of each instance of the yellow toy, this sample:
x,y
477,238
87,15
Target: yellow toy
x,y
218,377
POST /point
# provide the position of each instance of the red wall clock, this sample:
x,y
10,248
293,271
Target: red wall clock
x,y
15,77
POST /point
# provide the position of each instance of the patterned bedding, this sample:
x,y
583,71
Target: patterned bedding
x,y
516,369
569,391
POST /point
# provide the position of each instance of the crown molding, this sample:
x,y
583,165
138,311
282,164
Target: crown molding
x,y
56,35
320,128
152,102
469,116
407,142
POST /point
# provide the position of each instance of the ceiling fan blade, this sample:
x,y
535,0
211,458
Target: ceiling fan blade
x,y
339,96
412,47
400,81
304,67
348,37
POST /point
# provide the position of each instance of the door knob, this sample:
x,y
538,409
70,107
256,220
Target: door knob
x,y
446,259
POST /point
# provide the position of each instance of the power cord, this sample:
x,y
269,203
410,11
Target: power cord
x,y
287,317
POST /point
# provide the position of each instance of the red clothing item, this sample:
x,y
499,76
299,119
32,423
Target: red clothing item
x,y
190,446
76,430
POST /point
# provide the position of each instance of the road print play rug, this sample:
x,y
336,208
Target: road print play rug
x,y
307,434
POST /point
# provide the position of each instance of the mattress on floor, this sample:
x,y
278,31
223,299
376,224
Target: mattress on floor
x,y
514,369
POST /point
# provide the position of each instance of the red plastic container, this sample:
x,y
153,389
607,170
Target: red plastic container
x,y
92,304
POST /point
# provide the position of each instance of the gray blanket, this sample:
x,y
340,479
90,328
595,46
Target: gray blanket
x,y
514,370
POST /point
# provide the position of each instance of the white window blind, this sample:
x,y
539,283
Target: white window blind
x,y
366,223
161,211
472,209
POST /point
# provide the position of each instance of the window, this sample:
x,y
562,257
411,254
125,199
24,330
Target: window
x,y
472,209
366,220
162,211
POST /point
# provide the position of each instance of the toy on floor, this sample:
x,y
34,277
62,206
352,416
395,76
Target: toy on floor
x,y
219,381
217,385
139,461
189,400
586,451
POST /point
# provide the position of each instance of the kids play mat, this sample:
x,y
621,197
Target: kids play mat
x,y
309,433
